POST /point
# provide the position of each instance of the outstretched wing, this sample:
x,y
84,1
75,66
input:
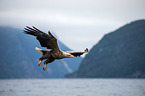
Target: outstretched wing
x,y
77,53
46,40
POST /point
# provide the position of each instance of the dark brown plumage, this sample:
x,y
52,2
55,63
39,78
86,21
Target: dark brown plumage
x,y
50,42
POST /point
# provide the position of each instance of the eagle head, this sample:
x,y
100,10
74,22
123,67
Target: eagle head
x,y
67,55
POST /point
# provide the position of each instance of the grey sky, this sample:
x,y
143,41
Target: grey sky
x,y
77,23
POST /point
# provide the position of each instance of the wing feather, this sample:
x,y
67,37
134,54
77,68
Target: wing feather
x,y
77,53
46,40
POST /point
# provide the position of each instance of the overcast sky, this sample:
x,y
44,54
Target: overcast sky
x,y
77,23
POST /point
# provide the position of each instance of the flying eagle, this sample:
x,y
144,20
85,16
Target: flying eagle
x,y
50,42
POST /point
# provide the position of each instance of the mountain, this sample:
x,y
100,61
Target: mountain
x,y
119,54
18,57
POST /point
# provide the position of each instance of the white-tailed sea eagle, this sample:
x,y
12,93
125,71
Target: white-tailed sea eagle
x,y
50,42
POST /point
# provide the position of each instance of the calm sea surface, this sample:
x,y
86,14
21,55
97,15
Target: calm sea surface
x,y
72,87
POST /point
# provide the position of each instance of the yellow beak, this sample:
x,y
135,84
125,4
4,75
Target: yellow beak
x,y
71,56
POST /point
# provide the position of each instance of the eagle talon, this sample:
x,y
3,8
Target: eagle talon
x,y
39,63
44,68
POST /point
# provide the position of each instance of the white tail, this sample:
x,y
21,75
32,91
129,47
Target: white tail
x,y
39,50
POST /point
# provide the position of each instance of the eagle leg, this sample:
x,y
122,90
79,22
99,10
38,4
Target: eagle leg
x,y
49,60
42,58
39,63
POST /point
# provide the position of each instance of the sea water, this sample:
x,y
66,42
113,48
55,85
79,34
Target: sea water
x,y
72,87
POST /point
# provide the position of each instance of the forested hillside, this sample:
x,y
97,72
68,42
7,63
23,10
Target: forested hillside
x,y
119,54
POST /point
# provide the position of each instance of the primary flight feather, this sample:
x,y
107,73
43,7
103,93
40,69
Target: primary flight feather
x,y
50,42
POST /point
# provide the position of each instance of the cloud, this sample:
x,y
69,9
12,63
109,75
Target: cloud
x,y
77,23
